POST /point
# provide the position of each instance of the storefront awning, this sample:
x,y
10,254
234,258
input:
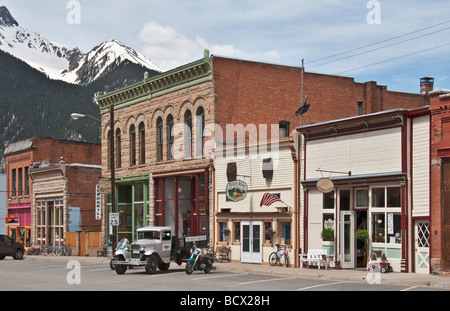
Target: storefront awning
x,y
360,180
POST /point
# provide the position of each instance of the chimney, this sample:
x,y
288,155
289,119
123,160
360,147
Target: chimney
x,y
426,84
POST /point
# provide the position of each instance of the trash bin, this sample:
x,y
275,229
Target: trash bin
x,y
109,252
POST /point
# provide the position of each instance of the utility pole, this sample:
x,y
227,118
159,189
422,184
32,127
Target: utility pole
x,y
113,170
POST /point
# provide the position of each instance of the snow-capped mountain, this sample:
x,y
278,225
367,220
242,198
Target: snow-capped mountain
x,y
62,63
103,58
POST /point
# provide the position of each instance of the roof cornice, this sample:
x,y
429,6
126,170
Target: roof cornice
x,y
181,77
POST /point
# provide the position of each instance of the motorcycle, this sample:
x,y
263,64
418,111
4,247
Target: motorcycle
x,y
122,252
199,260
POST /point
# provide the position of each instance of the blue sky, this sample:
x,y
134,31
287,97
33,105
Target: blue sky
x,y
415,35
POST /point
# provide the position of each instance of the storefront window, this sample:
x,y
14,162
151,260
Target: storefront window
x,y
394,223
393,197
222,235
328,200
378,229
181,204
236,232
362,198
328,227
378,197
267,232
285,233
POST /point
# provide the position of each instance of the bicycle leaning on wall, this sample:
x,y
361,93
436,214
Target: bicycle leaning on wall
x,y
281,256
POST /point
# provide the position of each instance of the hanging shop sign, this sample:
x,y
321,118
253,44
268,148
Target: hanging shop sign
x,y
98,203
325,185
12,221
236,190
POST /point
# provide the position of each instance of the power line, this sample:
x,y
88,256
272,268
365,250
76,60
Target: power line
x,y
379,42
382,47
388,60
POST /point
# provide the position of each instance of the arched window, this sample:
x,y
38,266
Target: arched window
x,y
118,149
132,145
188,134
169,137
159,139
109,149
141,143
200,128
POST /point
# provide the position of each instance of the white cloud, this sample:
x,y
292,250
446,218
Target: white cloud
x,y
167,48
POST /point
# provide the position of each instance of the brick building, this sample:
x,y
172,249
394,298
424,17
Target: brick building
x,y
63,200
440,176
19,157
164,176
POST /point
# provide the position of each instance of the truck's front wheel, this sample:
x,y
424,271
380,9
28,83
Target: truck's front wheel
x,y
151,265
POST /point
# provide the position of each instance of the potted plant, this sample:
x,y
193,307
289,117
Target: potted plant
x,y
362,234
269,232
373,256
383,256
226,231
328,234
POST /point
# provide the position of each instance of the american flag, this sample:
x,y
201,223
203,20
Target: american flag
x,y
268,199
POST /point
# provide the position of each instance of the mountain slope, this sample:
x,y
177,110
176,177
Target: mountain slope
x,y
62,63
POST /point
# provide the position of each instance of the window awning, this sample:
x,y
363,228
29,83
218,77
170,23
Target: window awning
x,y
360,180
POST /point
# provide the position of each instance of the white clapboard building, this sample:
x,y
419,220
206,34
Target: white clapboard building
x,y
368,175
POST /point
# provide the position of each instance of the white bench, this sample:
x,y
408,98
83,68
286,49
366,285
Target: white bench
x,y
315,255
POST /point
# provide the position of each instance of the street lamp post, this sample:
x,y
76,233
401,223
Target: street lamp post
x,y
76,116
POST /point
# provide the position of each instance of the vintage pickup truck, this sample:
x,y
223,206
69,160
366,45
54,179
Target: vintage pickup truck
x,y
154,248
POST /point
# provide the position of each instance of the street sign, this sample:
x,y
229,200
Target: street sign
x,y
195,238
113,219
104,186
98,203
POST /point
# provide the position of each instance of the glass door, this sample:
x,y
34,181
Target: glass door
x,y
347,240
251,247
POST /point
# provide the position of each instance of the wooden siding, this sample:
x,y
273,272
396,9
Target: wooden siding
x,y
421,166
362,153
249,170
315,225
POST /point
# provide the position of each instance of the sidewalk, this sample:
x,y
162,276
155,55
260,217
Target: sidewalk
x,y
351,275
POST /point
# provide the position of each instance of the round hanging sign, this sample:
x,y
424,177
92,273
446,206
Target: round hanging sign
x,y
325,185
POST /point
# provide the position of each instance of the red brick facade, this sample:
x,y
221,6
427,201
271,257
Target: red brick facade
x,y
439,183
19,156
258,93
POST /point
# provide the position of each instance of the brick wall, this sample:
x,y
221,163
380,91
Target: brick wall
x,y
81,182
174,103
250,92
440,150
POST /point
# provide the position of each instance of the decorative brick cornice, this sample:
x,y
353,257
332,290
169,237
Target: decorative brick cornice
x,y
185,76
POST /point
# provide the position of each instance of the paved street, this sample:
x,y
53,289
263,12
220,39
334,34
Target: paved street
x,y
37,273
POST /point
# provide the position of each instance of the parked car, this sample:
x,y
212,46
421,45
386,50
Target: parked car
x,y
10,248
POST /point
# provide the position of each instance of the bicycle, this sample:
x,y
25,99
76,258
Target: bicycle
x,y
53,250
281,256
66,250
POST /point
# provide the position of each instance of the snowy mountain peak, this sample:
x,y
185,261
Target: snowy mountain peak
x,y
6,18
62,63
